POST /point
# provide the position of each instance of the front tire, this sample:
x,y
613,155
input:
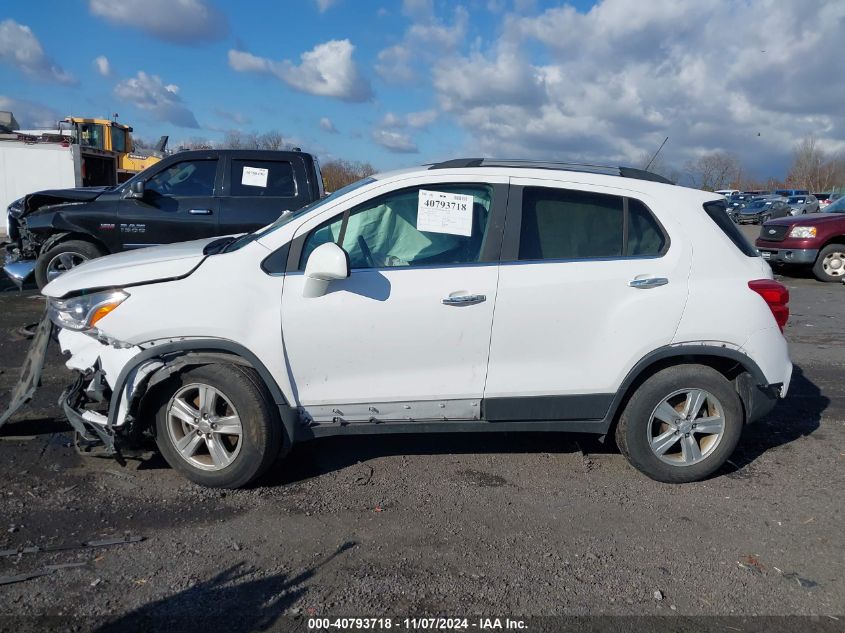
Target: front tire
x,y
830,264
217,425
62,257
681,424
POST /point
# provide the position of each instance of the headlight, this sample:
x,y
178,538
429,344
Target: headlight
x,y
803,232
16,208
83,312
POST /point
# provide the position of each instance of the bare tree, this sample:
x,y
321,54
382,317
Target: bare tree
x,y
814,169
272,140
235,139
339,173
718,170
195,142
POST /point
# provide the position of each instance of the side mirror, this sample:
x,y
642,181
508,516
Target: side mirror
x,y
136,190
328,262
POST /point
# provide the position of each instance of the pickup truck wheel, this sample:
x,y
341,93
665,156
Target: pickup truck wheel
x,y
681,424
830,264
216,425
62,257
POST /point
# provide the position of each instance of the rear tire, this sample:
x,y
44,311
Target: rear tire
x,y
683,449
217,425
62,257
830,264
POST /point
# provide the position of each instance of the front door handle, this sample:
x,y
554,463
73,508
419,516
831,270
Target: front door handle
x,y
200,211
648,282
464,300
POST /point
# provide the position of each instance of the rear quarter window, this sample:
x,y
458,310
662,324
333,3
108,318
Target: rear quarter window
x,y
717,210
263,178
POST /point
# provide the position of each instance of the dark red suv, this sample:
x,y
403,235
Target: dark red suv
x,y
816,240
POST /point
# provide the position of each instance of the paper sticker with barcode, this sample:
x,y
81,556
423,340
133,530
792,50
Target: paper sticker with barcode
x,y
441,212
254,177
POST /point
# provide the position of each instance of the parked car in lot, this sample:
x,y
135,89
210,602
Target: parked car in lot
x,y
816,240
727,192
186,196
470,295
786,193
760,210
802,205
823,198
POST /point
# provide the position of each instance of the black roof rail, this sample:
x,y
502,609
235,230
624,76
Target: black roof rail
x,y
625,172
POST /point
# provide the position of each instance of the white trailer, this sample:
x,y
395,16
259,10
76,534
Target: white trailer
x,y
29,167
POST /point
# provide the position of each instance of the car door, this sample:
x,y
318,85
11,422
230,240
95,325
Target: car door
x,y
179,204
589,284
407,334
259,188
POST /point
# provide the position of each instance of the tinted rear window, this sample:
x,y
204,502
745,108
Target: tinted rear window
x,y
718,213
267,178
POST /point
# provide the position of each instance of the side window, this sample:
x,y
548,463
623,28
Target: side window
x,y
645,237
389,231
118,139
563,224
267,178
188,178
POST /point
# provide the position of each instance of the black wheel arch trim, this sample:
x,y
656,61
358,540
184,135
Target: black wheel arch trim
x,y
681,351
178,349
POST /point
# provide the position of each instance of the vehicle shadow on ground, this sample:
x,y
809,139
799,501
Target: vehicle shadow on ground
x,y
226,602
319,457
796,416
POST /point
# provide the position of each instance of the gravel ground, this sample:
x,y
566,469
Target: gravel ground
x,y
376,526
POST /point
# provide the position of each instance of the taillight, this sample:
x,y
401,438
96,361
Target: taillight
x,y
776,296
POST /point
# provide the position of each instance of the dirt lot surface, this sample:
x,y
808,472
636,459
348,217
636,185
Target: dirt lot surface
x,y
460,525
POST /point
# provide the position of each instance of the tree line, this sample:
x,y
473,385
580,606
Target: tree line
x,y
812,168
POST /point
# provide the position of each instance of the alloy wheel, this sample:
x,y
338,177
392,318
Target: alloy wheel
x,y
204,427
63,262
686,427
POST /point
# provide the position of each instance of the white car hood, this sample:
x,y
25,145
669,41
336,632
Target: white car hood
x,y
131,267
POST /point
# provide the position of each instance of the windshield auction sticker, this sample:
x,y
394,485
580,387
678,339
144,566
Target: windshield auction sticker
x,y
254,177
441,212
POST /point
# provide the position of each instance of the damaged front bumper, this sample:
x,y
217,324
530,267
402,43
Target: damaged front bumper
x,y
97,409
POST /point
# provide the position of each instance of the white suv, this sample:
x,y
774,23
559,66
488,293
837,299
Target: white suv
x,y
470,295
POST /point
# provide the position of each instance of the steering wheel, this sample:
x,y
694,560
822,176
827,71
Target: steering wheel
x,y
365,250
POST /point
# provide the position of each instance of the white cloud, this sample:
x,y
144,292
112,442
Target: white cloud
x,y
417,120
327,125
426,40
394,141
30,114
103,66
235,117
327,70
178,21
324,5
609,84
150,93
394,64
20,48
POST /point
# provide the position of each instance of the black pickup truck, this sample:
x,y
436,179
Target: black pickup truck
x,y
189,195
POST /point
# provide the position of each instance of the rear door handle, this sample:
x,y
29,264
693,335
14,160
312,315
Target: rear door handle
x,y
464,300
200,211
648,282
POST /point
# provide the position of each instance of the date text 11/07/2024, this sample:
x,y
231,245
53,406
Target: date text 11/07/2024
x,y
415,624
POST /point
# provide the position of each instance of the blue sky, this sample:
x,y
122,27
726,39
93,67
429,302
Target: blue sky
x,y
404,82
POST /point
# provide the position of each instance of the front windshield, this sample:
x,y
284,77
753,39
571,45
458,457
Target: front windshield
x,y
796,200
836,207
287,216
758,204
